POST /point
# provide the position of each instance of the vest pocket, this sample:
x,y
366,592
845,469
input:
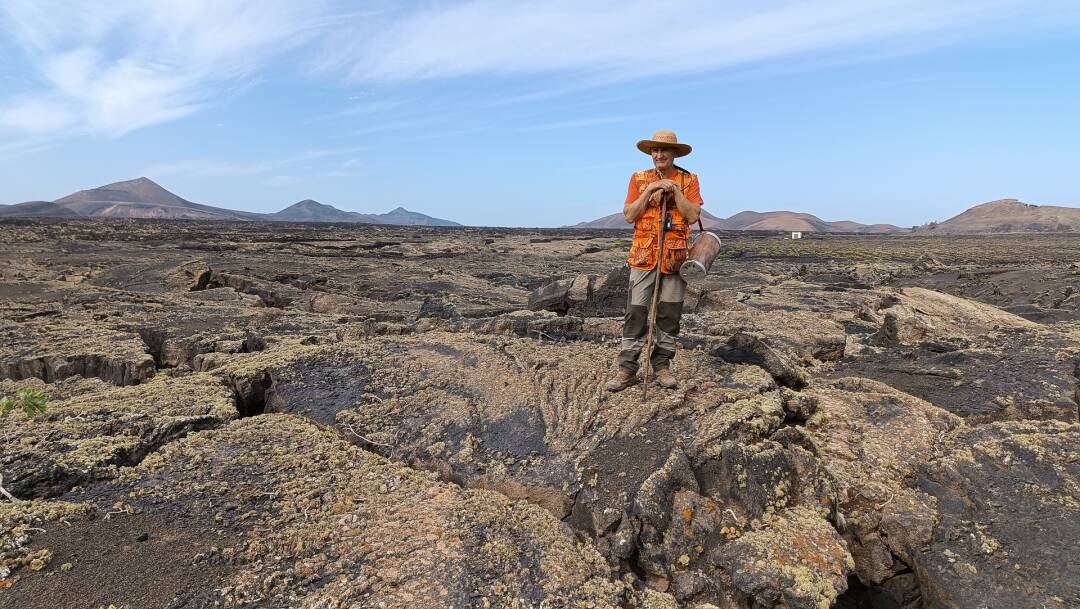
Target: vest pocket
x,y
674,255
641,251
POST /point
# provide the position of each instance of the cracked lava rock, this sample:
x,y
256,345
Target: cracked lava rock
x,y
243,415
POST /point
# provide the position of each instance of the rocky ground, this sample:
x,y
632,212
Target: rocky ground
x,y
245,415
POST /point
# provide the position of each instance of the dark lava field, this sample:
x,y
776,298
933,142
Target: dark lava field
x,y
344,416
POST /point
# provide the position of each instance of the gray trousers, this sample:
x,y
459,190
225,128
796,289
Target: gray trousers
x,y
636,324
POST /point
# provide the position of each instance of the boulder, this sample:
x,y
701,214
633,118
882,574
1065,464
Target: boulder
x,y
584,295
927,263
1009,518
794,560
915,315
439,308
751,348
854,429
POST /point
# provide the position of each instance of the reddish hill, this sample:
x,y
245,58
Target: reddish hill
x,y
142,198
618,221
764,221
1008,216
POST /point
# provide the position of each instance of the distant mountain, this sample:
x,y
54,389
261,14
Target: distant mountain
x,y
618,221
404,217
313,211
36,209
142,198
847,226
765,221
612,221
776,220
1008,216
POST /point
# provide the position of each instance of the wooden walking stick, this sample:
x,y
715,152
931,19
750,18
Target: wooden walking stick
x,y
655,297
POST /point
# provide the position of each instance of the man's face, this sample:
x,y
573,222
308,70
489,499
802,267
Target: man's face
x,y
663,157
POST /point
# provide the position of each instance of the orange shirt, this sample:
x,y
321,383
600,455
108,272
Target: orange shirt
x,y
644,248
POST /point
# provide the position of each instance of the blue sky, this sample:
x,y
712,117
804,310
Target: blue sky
x,y
526,113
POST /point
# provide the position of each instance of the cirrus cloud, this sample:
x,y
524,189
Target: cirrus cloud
x,y
114,67
619,40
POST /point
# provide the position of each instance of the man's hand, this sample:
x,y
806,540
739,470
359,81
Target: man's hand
x,y
656,189
662,186
650,196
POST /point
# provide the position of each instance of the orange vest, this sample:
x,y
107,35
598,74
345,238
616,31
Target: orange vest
x,y
646,243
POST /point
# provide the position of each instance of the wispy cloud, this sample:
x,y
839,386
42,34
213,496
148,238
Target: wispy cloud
x,y
585,122
633,39
111,67
23,147
367,108
207,168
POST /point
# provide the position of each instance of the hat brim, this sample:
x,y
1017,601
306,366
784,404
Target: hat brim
x,y
646,146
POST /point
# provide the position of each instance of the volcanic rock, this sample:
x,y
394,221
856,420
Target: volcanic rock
x,y
359,530
989,533
326,415
584,295
91,430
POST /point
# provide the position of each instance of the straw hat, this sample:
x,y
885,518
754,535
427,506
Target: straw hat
x,y
665,139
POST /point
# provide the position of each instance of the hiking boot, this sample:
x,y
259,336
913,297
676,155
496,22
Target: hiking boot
x,y
623,379
666,379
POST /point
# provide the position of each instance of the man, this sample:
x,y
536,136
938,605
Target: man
x,y
642,209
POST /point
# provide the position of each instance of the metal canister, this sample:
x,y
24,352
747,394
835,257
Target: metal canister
x,y
703,252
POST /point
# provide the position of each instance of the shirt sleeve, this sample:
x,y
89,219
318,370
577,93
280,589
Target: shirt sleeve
x,y
632,192
693,191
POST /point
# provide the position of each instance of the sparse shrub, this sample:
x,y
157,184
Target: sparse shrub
x,y
30,401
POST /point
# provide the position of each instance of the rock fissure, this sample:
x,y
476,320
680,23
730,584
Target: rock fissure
x,y
1076,392
126,369
250,392
901,591
91,431
210,279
